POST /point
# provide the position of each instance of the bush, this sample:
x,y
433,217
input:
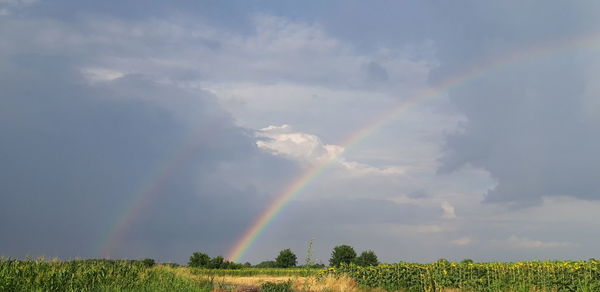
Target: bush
x,y
285,259
277,287
342,254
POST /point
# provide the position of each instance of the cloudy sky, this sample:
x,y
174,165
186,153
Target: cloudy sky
x,y
133,129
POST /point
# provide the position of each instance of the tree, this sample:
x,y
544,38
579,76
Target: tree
x,y
342,254
286,259
216,263
199,260
367,258
267,264
148,262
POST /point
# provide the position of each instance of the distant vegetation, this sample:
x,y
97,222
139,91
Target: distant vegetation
x,y
202,260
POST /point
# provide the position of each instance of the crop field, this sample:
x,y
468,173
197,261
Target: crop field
x,y
520,276
121,275
92,275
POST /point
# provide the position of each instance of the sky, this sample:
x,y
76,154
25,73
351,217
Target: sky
x,y
154,129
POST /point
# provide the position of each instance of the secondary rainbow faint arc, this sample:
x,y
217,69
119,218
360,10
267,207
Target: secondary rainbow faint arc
x,y
289,192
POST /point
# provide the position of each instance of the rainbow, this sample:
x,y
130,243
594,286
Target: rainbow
x,y
242,245
150,188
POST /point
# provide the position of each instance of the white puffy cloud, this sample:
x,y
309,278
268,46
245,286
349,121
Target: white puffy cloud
x,y
309,150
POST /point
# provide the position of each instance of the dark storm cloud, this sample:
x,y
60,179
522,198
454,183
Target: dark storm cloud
x,y
375,72
74,154
526,123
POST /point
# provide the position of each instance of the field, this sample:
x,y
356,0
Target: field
x,y
121,275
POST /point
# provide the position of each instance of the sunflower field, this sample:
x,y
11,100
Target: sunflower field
x,y
494,276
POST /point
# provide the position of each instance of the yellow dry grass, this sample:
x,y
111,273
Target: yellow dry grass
x,y
251,280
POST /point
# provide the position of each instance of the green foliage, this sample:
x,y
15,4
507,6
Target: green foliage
x,y
467,261
367,258
216,263
277,287
92,275
202,260
148,263
285,259
267,264
199,260
342,254
485,277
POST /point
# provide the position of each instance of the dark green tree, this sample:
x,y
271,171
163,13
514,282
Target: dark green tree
x,y
342,254
199,260
286,259
367,258
267,264
217,262
148,262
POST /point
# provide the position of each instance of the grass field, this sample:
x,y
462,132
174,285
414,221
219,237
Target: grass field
x,y
121,275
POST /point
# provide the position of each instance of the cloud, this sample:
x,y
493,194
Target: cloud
x,y
525,243
527,123
448,210
463,241
308,149
80,144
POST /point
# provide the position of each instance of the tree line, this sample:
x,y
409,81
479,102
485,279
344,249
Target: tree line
x,y
287,259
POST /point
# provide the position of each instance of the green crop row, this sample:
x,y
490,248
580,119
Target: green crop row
x,y
520,276
91,275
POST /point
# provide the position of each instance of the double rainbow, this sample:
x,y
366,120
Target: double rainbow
x,y
149,190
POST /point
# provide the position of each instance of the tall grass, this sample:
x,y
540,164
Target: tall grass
x,y
92,275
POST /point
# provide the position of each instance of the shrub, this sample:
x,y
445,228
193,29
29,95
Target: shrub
x,y
277,287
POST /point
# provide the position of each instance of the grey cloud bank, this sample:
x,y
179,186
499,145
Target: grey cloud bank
x,y
97,104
